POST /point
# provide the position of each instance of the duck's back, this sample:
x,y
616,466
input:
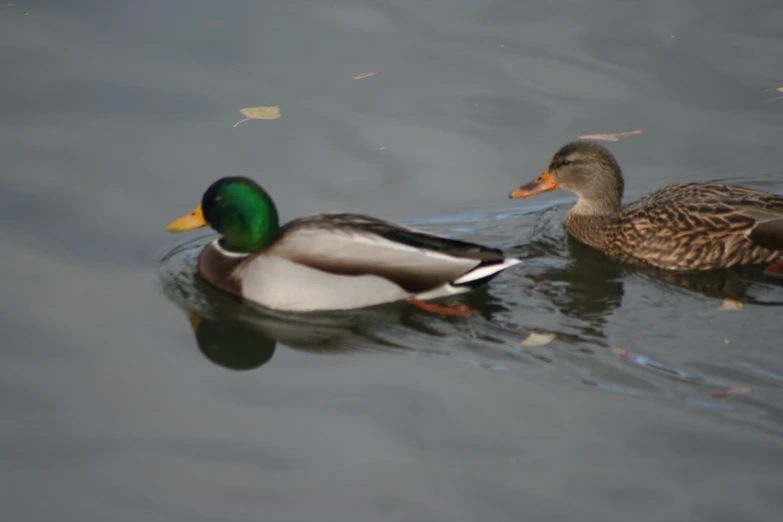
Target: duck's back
x,y
690,226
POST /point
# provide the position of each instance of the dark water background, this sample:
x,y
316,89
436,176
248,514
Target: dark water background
x,y
115,116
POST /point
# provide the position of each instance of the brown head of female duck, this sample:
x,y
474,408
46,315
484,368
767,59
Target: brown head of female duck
x,y
687,226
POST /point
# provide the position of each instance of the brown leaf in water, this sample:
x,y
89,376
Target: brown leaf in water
x,y
622,352
364,75
731,391
611,137
730,304
259,113
538,339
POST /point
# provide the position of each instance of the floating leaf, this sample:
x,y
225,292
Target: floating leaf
x,y
779,89
538,339
622,352
732,391
611,137
364,75
259,113
730,304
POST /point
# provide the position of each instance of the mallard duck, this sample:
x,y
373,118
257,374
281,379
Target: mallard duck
x,y
687,226
333,261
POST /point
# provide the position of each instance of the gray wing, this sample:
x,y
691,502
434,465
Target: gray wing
x,y
350,244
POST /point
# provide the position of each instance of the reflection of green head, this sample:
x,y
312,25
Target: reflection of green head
x,y
232,344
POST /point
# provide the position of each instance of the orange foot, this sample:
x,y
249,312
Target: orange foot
x,y
775,269
457,310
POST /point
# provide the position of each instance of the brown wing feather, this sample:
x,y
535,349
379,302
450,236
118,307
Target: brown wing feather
x,y
693,226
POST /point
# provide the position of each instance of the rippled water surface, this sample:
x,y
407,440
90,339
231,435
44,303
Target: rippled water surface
x,y
130,391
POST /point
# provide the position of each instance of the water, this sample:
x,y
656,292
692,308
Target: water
x,y
129,391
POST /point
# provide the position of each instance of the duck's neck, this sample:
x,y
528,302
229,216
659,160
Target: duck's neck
x,y
602,204
589,225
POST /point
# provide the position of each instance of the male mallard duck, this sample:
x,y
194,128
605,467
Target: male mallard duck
x,y
687,226
328,261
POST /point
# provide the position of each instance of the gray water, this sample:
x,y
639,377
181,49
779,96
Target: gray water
x,y
131,392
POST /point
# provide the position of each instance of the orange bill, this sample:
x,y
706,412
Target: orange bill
x,y
188,222
541,184
194,319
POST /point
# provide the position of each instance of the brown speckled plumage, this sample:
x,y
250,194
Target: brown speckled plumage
x,y
688,226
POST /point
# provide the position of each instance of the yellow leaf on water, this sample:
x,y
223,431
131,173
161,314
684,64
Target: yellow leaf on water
x,y
538,339
732,391
259,113
730,304
262,113
364,75
611,137
779,89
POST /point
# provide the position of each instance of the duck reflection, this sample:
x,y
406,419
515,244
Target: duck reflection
x,y
230,343
587,286
241,336
583,287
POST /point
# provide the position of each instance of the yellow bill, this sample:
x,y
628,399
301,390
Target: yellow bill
x,y
188,222
194,319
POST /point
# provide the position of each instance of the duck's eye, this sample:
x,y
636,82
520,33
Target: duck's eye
x,y
566,162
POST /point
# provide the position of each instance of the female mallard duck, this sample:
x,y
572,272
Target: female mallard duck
x,y
328,261
688,226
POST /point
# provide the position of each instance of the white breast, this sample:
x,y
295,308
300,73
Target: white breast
x,y
280,284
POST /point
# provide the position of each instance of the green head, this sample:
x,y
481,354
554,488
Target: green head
x,y
240,210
